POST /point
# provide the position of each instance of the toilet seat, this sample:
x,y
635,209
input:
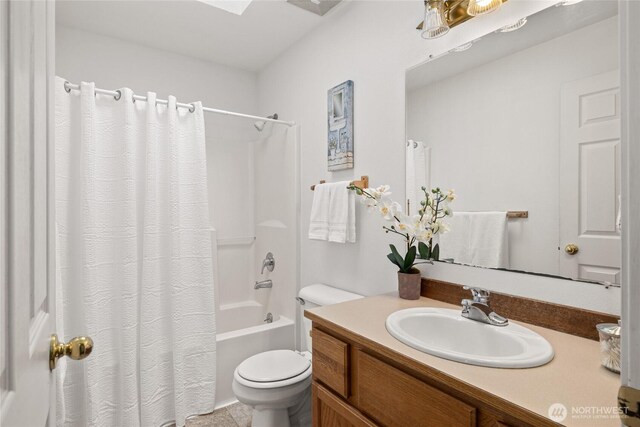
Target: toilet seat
x,y
272,369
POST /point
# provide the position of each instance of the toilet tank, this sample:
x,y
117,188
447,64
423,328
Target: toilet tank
x,y
319,295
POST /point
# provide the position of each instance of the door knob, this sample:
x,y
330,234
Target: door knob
x,y
571,249
77,349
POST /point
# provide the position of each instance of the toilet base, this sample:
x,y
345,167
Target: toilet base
x,y
270,417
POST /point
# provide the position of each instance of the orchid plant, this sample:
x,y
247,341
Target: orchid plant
x,y
416,230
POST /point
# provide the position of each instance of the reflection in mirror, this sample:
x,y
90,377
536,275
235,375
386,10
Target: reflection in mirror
x,y
526,121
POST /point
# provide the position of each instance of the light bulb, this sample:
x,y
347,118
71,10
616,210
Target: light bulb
x,y
462,47
515,26
568,2
435,23
482,7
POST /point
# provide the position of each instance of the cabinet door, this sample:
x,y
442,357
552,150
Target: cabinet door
x,y
331,411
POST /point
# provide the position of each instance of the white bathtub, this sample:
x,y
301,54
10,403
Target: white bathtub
x,y
243,333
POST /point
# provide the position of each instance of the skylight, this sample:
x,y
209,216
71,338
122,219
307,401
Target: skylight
x,y
234,6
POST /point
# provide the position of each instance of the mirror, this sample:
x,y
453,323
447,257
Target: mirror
x,y
525,126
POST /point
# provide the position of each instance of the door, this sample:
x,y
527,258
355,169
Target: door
x,y
27,263
590,178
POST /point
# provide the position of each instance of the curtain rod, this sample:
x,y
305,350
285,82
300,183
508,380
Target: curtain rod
x,y
118,93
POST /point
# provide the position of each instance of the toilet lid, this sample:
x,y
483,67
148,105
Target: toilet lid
x,y
270,366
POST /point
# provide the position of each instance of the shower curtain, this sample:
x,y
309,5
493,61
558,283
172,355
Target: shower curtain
x,y
134,260
418,173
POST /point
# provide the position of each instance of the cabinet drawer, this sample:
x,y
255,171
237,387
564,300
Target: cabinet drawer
x,y
331,411
391,397
331,362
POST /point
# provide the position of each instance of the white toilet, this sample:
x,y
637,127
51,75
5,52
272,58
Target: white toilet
x,y
277,384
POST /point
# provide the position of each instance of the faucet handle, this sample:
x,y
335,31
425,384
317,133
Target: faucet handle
x,y
269,262
479,294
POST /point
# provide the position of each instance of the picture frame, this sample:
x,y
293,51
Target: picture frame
x,y
340,127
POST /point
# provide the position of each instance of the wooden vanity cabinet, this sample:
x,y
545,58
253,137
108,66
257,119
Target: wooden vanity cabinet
x,y
355,385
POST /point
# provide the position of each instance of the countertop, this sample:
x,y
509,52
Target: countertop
x,y
573,378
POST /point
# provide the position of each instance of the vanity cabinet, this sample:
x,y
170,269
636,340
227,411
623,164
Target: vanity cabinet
x,y
355,384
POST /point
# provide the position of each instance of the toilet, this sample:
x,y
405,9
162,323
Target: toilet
x,y
277,383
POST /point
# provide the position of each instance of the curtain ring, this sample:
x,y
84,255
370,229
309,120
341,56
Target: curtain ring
x,y
118,95
133,97
67,88
192,108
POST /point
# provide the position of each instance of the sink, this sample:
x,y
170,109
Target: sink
x,y
445,333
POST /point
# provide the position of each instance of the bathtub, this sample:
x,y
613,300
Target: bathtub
x,y
243,333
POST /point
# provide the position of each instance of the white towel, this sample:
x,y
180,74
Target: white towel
x,y
333,213
477,238
319,222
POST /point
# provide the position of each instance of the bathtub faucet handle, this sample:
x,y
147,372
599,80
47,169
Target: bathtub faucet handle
x,y
269,262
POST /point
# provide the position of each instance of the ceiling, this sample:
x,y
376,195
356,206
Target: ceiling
x,y
250,41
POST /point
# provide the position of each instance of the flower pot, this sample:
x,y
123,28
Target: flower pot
x,y
409,284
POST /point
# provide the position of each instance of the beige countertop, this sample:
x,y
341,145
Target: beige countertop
x,y
573,378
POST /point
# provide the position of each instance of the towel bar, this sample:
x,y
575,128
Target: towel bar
x,y
517,214
362,183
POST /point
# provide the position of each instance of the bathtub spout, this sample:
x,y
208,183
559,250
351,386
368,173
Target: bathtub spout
x,y
263,284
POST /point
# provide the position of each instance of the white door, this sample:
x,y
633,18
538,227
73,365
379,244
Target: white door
x,y
27,261
590,179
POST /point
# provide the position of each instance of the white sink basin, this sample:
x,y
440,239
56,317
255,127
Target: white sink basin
x,y
445,333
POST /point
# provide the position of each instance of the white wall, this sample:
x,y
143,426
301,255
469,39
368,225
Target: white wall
x,y
503,155
373,43
113,63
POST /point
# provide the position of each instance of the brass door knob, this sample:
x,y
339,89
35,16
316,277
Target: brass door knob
x,y
571,249
77,349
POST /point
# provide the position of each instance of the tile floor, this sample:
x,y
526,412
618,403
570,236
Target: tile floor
x,y
236,415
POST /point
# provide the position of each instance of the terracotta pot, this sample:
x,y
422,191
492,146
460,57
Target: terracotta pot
x,y
409,284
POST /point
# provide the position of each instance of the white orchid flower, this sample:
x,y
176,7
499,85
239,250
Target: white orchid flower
x,y
370,203
424,235
451,195
440,227
389,209
383,191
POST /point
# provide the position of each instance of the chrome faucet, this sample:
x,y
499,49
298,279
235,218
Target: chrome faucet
x,y
479,310
269,262
263,284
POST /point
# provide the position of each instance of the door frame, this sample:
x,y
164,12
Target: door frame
x,y
629,15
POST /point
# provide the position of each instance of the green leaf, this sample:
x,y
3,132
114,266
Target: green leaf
x,y
435,255
409,259
392,258
424,251
399,259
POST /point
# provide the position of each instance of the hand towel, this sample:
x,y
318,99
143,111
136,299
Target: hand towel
x,y
319,221
342,222
333,213
477,238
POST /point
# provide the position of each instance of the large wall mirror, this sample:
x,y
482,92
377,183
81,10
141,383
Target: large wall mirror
x,y
525,126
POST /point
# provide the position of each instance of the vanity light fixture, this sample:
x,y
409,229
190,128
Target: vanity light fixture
x,y
513,27
435,22
482,7
442,15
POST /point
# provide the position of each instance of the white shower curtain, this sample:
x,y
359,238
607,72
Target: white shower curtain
x,y
417,172
134,260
